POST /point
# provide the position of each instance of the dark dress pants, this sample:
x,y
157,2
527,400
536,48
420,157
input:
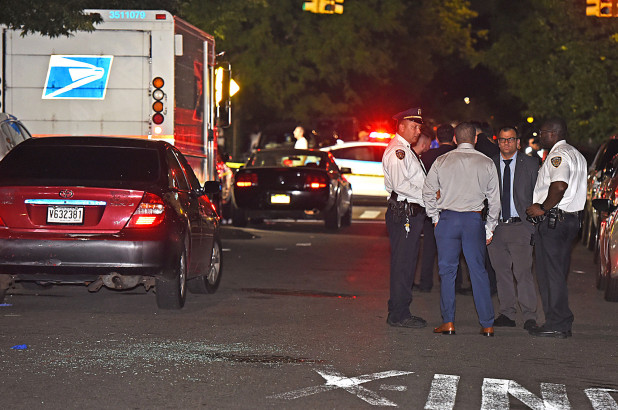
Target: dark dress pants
x,y
457,231
404,254
553,256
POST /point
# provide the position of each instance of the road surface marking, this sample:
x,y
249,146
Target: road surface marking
x,y
443,392
496,395
335,380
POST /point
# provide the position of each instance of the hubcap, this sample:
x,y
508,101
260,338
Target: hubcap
x,y
215,264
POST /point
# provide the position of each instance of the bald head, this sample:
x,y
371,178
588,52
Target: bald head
x,y
465,133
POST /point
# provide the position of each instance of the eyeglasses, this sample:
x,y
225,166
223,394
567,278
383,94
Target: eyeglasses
x,y
506,140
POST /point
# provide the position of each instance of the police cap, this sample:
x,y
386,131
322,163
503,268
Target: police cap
x,y
413,114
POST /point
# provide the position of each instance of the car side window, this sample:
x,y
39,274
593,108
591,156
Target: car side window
x,y
191,178
176,176
378,153
356,153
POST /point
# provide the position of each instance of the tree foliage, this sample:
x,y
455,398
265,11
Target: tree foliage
x,y
558,62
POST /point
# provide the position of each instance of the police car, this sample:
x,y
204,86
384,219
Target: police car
x,y
365,161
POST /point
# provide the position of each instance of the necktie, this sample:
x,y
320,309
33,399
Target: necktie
x,y
506,190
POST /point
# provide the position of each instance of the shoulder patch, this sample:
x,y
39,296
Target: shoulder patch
x,y
401,154
556,161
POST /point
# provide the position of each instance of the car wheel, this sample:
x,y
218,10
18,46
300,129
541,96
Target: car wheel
x,y
601,275
611,291
239,217
593,234
332,219
209,283
347,217
171,294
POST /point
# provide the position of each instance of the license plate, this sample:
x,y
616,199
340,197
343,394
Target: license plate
x,y
280,199
65,214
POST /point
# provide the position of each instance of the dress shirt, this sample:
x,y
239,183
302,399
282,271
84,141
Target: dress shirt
x,y
563,163
464,177
512,167
403,172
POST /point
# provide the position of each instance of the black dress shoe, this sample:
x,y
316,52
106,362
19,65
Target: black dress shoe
x,y
542,332
413,322
530,324
504,321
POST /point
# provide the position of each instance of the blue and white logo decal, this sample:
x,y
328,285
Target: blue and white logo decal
x,y
77,77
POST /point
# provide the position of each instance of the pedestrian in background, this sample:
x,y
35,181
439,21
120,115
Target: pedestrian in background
x,y
301,141
559,197
510,250
455,188
404,176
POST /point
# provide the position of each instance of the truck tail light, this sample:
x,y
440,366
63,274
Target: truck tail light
x,y
246,180
315,182
150,212
158,106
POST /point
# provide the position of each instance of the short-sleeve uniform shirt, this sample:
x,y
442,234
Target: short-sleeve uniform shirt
x,y
403,171
563,163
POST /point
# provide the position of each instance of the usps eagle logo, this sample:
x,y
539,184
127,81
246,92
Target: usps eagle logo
x,y
401,154
556,161
77,77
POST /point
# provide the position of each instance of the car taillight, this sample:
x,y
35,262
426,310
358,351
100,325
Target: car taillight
x,y
150,212
315,182
246,180
2,222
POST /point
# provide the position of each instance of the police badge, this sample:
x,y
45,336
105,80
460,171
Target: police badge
x,y
401,154
556,161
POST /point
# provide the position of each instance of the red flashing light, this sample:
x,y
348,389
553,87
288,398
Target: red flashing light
x,y
246,180
160,16
315,182
150,212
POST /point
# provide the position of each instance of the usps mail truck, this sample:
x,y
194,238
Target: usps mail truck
x,y
139,74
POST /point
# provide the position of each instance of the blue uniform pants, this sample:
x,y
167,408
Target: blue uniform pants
x,y
457,231
404,254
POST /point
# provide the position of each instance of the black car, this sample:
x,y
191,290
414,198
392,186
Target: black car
x,y
111,212
292,183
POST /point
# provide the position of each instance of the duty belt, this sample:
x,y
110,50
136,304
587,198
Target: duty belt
x,y
403,208
511,220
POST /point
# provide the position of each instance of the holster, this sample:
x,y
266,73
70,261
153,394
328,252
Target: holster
x,y
403,208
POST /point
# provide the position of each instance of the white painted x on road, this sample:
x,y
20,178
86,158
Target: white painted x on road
x,y
335,380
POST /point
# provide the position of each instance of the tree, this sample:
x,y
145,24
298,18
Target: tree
x,y
558,62
376,56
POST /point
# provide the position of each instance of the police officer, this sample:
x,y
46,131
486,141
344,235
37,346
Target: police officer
x,y
404,176
559,197
455,188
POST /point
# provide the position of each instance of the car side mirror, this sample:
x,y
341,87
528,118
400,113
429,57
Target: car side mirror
x,y
212,187
601,205
346,170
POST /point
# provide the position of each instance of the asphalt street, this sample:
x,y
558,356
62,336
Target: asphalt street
x,y
298,322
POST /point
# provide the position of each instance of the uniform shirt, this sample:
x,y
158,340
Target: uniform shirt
x,y
464,177
403,171
301,143
564,163
512,168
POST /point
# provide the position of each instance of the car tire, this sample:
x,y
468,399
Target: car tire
x,y
332,219
611,291
171,294
601,279
209,283
239,217
347,217
593,234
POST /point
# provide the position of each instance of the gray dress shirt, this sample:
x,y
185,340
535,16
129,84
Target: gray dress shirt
x,y
464,177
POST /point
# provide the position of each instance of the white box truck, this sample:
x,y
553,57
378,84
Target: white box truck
x,y
139,74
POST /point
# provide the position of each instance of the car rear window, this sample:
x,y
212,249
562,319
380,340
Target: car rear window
x,y
80,165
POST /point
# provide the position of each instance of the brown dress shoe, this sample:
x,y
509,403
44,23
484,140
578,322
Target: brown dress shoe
x,y
446,329
487,331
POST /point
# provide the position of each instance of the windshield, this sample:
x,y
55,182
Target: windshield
x,y
287,159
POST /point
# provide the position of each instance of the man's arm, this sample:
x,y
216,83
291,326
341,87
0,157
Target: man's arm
x,y
554,196
430,198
